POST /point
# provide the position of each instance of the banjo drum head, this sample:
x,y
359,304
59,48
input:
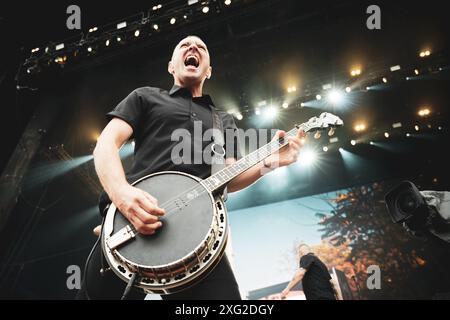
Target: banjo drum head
x,y
184,226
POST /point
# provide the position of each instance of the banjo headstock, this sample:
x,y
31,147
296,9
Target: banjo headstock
x,y
324,121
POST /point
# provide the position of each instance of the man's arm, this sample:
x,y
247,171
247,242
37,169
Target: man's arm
x,y
139,207
284,157
298,276
336,290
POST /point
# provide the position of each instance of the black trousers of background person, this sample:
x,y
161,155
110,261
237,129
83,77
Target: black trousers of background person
x,y
219,284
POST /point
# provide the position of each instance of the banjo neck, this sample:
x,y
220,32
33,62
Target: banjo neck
x,y
221,178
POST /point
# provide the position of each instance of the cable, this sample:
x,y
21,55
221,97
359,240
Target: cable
x,y
85,282
130,284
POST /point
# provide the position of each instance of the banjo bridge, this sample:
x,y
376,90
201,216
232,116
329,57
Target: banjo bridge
x,y
120,237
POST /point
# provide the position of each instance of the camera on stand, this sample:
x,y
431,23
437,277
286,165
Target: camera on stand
x,y
423,214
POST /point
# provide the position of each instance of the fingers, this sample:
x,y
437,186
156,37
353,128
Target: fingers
x,y
294,143
301,134
144,228
150,197
279,134
150,206
144,216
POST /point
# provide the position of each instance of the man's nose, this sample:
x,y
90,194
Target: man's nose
x,y
193,46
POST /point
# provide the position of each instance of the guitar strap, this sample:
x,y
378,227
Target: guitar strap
x,y
218,147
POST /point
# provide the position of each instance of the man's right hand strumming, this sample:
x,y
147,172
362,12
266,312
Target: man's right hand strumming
x,y
140,208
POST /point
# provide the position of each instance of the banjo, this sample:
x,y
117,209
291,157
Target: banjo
x,y
195,227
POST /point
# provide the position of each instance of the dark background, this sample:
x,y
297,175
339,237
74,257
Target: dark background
x,y
255,47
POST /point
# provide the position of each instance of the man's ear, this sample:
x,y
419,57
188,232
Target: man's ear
x,y
170,68
208,74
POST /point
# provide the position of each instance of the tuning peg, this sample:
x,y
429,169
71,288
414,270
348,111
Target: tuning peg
x,y
331,131
317,135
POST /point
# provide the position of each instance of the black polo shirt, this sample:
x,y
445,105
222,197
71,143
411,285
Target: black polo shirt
x,y
316,281
161,120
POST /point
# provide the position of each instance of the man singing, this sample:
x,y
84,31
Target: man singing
x,y
149,116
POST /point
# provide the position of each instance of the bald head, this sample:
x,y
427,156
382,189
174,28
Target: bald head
x,y
303,249
190,62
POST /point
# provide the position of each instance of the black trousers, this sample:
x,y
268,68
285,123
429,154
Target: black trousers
x,y
219,284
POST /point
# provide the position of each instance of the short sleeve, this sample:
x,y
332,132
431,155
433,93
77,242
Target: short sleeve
x,y
231,137
306,261
129,110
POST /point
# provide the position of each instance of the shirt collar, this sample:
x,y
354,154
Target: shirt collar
x,y
183,91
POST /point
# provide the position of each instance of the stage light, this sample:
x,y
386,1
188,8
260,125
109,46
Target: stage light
x,y
291,89
318,97
440,128
341,149
136,33
239,116
397,125
119,39
424,54
34,50
334,140
360,127
348,89
355,72
205,9
61,60
353,142
302,104
285,105
48,171
327,86
93,29
157,7
335,97
325,149
386,135
191,2
173,20
384,80
416,127
395,68
371,143
408,134
307,157
59,46
257,111
262,103
121,25
270,112
47,49
416,71
107,43
155,26
367,88
424,112
227,2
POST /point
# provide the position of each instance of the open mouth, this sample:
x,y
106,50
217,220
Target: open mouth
x,y
191,61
